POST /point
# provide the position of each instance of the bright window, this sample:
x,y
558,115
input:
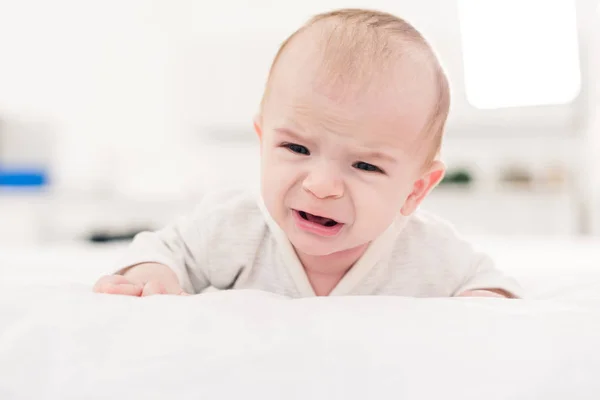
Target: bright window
x,y
520,53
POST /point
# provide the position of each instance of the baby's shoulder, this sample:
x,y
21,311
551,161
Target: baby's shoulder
x,y
232,207
229,203
427,225
428,234
230,215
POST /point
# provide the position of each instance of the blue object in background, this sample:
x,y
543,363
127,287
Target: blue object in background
x,y
23,178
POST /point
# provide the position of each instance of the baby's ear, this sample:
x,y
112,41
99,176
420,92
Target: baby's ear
x,y
258,126
421,188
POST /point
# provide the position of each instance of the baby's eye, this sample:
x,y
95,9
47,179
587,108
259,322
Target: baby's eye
x,y
367,167
296,148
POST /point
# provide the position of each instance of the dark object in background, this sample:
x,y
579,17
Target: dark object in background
x,y
459,177
108,237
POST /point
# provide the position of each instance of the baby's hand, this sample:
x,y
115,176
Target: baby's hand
x,y
118,284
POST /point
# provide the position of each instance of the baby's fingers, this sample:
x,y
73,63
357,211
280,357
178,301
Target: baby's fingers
x,y
153,287
109,280
112,285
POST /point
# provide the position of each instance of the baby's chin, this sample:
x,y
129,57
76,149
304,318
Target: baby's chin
x,y
315,246
323,247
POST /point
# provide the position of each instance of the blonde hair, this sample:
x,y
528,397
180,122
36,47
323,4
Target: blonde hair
x,y
368,32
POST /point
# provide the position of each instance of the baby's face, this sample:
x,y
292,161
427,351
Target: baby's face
x,y
338,166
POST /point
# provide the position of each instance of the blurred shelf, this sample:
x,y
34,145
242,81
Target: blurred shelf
x,y
46,217
514,211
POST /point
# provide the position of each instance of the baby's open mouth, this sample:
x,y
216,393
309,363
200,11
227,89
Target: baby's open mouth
x,y
328,222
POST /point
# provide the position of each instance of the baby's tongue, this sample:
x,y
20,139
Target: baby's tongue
x,y
316,219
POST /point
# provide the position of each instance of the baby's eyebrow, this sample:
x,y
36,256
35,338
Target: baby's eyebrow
x,y
378,155
290,133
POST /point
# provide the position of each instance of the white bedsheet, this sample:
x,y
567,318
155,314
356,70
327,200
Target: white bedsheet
x,y
59,341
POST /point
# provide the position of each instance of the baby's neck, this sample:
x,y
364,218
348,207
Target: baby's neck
x,y
325,272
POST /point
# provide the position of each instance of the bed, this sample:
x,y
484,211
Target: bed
x,y
60,341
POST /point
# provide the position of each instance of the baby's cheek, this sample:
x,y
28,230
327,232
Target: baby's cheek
x,y
277,184
374,213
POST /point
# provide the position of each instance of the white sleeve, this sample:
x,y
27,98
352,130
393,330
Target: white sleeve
x,y
181,246
483,274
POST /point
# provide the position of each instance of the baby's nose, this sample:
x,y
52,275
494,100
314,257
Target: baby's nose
x,y
324,183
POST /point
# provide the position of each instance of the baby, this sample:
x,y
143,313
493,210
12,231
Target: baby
x,y
350,127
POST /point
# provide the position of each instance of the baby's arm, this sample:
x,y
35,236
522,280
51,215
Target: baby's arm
x,y
485,293
485,280
169,261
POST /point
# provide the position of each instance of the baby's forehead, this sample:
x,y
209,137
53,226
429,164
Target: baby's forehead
x,y
343,62
318,82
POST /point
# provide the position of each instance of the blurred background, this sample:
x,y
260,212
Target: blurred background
x,y
115,116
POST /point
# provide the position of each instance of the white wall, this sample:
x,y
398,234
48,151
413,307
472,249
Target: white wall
x,y
99,70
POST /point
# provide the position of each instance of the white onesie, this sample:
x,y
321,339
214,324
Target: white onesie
x,y
231,242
